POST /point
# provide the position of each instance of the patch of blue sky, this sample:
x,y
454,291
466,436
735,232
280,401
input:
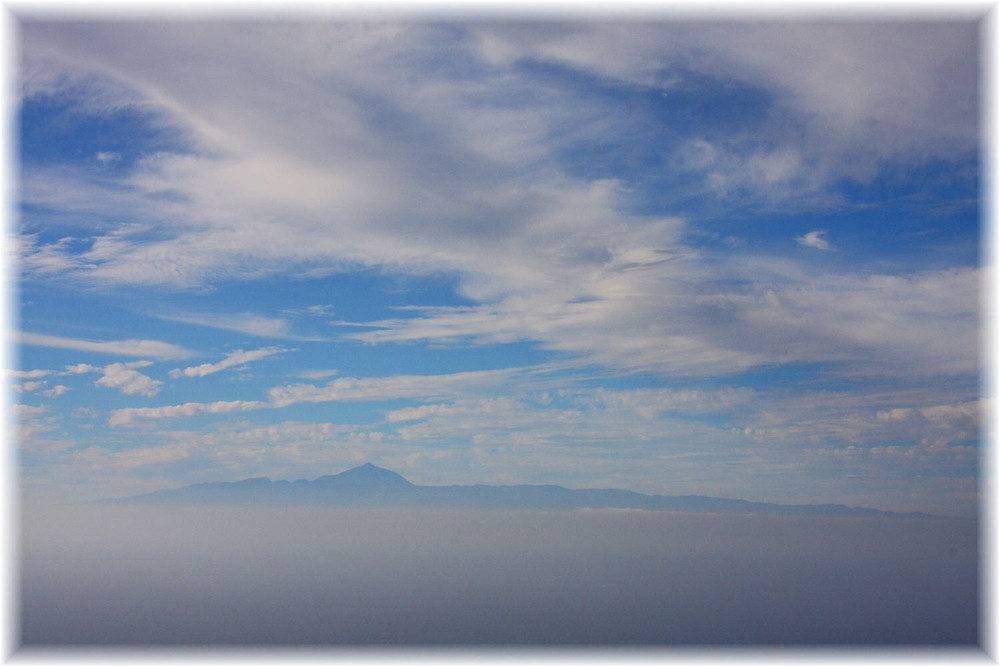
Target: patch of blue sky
x,y
586,375
57,130
805,376
891,237
85,314
354,359
931,186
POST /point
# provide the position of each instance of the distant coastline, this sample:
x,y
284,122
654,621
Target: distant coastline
x,y
371,486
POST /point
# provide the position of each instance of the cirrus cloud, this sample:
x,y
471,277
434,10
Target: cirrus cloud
x,y
126,348
232,359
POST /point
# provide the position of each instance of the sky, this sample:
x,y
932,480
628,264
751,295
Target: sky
x,y
737,259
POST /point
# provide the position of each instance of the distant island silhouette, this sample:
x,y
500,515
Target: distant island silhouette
x,y
371,486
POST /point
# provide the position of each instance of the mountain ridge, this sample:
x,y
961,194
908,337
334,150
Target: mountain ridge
x,y
372,486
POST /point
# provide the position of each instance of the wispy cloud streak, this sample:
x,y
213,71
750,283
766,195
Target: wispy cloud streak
x,y
126,348
233,359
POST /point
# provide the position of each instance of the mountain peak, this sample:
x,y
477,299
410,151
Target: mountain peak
x,y
367,475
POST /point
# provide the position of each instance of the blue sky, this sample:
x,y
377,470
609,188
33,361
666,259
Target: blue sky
x,y
731,259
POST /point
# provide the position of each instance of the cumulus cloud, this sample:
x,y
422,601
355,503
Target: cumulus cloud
x,y
125,378
82,368
815,239
57,390
232,359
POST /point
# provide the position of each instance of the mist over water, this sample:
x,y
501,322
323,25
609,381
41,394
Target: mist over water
x,y
318,576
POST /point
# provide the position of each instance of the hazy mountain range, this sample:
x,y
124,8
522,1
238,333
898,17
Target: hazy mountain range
x,y
371,486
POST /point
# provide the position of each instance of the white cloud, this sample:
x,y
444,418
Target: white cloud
x,y
545,256
869,417
245,323
29,386
651,318
128,380
386,388
127,348
918,325
128,460
420,412
318,374
882,88
51,259
320,310
815,240
82,368
914,84
233,359
30,429
57,390
38,373
21,411
313,196
124,416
